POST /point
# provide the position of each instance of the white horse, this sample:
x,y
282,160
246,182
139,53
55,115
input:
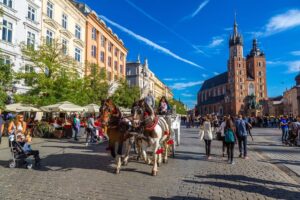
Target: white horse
x,y
156,134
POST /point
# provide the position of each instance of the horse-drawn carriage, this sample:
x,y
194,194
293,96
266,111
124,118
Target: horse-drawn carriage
x,y
159,134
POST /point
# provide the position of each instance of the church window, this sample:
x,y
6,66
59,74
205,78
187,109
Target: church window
x,y
240,72
251,89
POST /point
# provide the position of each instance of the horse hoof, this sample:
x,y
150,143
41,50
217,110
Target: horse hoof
x,y
159,164
165,161
138,158
154,173
117,171
125,163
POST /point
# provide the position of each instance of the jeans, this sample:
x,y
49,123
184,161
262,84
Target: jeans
x,y
285,134
207,147
76,131
230,151
0,136
243,145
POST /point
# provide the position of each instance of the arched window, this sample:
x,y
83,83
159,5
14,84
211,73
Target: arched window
x,y
251,89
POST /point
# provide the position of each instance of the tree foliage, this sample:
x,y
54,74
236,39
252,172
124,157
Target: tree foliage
x,y
55,78
126,95
180,108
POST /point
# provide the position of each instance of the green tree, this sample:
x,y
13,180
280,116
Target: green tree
x,y
180,108
126,95
53,77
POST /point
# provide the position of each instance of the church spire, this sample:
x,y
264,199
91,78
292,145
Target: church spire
x,y
235,26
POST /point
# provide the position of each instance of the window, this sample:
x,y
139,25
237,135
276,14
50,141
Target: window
x,y
28,70
103,39
94,51
8,3
77,31
260,80
116,65
50,9
64,43
261,87
30,40
259,73
77,54
7,29
261,94
109,76
31,13
115,77
251,89
64,22
5,60
102,56
109,61
121,69
121,56
109,46
94,34
49,37
116,52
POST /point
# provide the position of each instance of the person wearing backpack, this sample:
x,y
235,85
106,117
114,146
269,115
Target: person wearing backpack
x,y
242,133
230,139
206,134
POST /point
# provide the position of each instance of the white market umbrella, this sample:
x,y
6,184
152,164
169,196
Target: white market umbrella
x,y
92,108
18,107
63,107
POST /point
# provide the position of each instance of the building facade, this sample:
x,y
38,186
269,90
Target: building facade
x,y
21,24
291,99
138,74
63,22
103,47
244,83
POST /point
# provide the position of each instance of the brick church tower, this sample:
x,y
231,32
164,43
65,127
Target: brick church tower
x,y
236,71
246,76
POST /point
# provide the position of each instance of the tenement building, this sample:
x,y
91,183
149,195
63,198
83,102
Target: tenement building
x,y
103,47
63,22
242,87
138,74
20,24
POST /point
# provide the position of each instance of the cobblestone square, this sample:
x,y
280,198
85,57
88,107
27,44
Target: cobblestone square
x,y
70,170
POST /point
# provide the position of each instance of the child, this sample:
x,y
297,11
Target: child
x,y
27,149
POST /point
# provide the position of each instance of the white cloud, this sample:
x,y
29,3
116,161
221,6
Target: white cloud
x,y
196,12
164,26
279,23
293,66
150,43
282,22
295,53
187,95
216,41
182,86
174,79
216,73
228,29
204,75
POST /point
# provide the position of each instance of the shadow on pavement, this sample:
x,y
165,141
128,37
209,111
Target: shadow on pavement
x,y
250,185
176,198
283,162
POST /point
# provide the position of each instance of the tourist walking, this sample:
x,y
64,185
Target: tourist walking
x,y
230,139
284,128
222,129
76,126
206,134
241,130
1,125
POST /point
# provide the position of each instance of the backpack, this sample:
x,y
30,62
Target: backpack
x,y
229,136
242,130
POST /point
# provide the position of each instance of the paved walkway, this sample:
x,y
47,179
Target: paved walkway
x,y
72,171
267,141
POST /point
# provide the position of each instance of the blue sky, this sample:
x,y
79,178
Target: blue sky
x,y
186,42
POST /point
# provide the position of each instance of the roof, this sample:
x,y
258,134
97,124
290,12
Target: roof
x,y
212,100
215,81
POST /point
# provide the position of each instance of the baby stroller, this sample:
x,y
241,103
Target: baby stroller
x,y
20,157
293,134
